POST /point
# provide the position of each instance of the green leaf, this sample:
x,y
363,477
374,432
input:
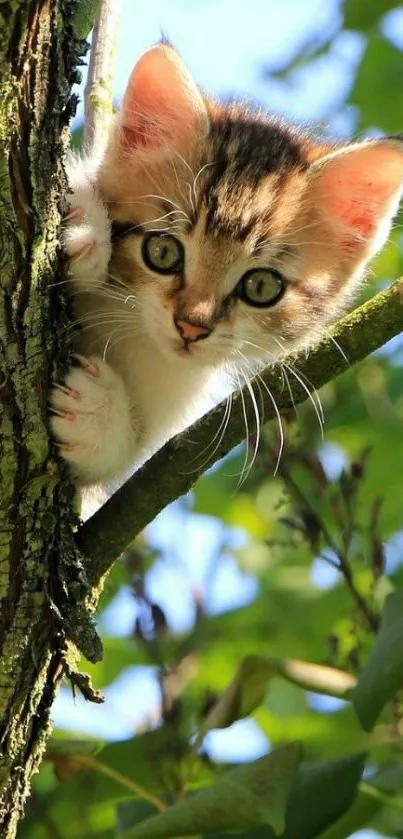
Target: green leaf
x,y
383,675
368,803
364,15
61,743
321,795
67,754
84,16
151,762
130,813
147,765
243,798
378,91
246,691
356,817
250,685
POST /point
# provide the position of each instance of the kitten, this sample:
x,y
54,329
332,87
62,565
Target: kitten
x,y
207,239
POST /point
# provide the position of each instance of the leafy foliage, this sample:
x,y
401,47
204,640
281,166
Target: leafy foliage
x,y
84,16
364,16
321,552
382,676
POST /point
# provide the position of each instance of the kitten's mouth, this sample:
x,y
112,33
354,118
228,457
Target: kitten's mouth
x,y
188,350
184,350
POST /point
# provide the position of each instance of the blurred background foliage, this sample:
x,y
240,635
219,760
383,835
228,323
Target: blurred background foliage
x,y
249,565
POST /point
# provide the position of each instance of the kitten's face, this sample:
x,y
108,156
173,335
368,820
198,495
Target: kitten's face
x,y
242,272
243,239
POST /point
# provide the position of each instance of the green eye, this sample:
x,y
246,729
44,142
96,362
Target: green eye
x,y
260,287
163,253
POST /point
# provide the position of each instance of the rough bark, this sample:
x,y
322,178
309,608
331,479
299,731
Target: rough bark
x,y
37,60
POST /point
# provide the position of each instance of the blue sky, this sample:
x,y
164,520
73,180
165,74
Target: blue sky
x,y
226,45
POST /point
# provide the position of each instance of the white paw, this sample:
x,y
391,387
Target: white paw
x,y
86,235
92,421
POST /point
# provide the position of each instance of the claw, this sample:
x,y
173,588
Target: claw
x,y
67,447
66,415
83,253
89,366
69,391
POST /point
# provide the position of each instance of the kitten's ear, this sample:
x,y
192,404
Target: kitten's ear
x,y
162,106
358,189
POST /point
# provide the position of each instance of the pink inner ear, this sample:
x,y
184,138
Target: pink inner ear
x,y
162,106
360,188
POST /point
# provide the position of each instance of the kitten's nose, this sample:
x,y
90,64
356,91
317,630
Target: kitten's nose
x,y
191,331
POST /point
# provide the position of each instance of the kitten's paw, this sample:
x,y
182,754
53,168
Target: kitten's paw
x,y
91,419
87,232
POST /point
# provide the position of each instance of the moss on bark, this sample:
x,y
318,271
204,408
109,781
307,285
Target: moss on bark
x,y
37,59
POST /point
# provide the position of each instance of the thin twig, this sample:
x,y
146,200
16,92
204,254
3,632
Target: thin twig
x,y
90,762
341,552
167,475
98,95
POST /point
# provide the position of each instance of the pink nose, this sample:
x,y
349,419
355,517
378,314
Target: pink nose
x,y
191,331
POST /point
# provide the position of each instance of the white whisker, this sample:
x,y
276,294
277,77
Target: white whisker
x,y
278,415
249,387
284,372
246,425
337,345
219,433
317,407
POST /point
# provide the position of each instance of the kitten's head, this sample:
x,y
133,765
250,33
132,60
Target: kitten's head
x,y
240,236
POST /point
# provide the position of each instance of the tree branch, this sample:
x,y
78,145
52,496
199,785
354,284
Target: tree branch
x,y
98,96
173,470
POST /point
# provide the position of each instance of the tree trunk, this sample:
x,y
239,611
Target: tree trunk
x,y
38,56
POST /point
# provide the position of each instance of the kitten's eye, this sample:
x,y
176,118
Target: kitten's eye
x,y
260,287
163,253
